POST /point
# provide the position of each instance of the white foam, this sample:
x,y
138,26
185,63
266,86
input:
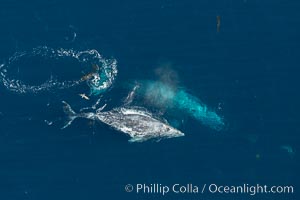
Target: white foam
x,y
85,57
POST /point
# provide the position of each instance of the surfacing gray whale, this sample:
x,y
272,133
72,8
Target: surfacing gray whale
x,y
139,124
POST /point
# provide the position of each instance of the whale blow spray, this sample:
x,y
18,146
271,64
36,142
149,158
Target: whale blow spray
x,y
167,96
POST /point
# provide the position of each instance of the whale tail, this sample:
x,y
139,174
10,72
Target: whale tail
x,y
71,114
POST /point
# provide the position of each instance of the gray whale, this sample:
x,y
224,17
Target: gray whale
x,y
136,122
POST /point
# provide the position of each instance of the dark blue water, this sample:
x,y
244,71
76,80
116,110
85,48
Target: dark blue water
x,y
250,68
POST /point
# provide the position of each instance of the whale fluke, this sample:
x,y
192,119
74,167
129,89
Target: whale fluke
x,y
70,113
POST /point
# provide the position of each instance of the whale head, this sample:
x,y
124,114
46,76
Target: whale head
x,y
170,132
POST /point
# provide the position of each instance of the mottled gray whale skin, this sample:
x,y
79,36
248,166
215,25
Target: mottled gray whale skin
x,y
139,124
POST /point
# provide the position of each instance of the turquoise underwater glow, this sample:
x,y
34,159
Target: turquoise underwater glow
x,y
167,97
98,84
104,77
193,107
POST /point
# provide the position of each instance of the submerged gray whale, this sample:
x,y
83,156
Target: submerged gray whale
x,y
139,124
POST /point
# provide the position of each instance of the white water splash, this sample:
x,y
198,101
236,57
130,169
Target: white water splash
x,y
98,83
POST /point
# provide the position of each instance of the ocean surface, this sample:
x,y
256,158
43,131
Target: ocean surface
x,y
246,71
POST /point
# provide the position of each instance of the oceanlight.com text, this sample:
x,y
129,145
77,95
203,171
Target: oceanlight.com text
x,y
164,189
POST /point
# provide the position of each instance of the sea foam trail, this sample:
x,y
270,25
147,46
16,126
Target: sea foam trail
x,y
98,82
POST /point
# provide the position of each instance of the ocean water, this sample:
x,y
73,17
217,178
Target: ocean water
x,y
247,72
